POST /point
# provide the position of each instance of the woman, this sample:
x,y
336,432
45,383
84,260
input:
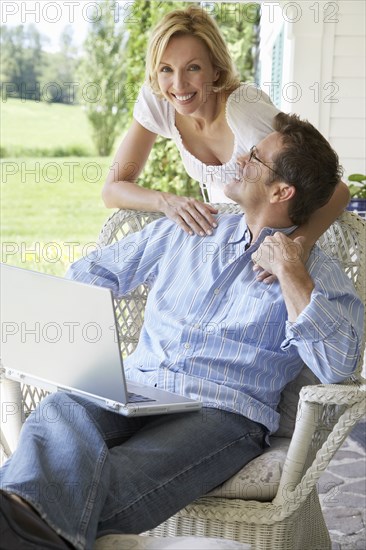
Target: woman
x,y
193,96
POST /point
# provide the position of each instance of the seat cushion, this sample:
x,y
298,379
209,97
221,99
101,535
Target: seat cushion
x,y
259,479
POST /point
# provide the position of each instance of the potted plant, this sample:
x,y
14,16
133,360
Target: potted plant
x,y
357,187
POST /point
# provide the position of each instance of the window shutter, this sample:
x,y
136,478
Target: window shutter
x,y
276,74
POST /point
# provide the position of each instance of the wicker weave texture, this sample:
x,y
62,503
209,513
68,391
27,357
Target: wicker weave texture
x,y
305,530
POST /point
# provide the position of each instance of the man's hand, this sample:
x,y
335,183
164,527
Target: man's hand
x,y
266,275
282,257
278,252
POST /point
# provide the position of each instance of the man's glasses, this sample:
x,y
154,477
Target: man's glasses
x,y
252,155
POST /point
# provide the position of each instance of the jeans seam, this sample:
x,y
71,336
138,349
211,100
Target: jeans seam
x,y
91,497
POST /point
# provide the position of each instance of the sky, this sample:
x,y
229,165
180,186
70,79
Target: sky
x,y
51,17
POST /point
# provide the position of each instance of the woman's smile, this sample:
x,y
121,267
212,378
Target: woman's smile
x,y
186,75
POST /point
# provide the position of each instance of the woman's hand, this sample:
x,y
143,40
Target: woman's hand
x,y
191,215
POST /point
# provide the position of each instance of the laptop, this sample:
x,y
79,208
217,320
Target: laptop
x,y
62,335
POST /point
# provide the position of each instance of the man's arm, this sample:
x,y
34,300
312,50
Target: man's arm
x,y
325,320
125,265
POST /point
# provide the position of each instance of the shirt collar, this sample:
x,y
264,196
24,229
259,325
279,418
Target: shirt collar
x,y
271,230
242,234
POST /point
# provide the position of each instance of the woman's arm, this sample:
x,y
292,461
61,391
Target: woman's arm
x,y
323,218
318,223
121,191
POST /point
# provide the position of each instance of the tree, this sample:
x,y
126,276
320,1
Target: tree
x,y
59,70
22,60
239,25
27,71
102,73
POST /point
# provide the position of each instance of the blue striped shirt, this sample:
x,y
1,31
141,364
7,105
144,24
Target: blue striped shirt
x,y
214,333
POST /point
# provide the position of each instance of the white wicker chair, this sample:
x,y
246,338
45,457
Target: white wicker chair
x,y
288,514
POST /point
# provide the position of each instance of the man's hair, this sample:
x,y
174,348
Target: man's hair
x,y
192,21
307,162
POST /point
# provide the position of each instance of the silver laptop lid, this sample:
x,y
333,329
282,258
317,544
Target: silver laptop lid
x,y
69,329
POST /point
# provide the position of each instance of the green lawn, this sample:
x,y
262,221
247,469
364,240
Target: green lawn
x,y
34,125
50,210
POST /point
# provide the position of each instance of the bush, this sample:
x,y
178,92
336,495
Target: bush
x,y
38,152
164,171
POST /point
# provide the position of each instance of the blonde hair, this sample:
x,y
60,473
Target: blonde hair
x,y
192,21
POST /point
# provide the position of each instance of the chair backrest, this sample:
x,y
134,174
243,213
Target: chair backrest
x,y
129,310
345,240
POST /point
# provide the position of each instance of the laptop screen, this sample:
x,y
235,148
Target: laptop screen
x,y
61,331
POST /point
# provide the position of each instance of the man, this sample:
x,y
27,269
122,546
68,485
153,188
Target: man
x,y
211,331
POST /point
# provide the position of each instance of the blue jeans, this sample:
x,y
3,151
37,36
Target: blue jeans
x,y
89,471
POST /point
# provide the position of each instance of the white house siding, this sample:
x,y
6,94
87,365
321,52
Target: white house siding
x,y
323,73
347,117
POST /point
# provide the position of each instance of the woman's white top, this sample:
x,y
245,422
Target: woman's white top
x,y
249,114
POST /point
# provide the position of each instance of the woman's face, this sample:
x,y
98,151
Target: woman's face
x,y
186,74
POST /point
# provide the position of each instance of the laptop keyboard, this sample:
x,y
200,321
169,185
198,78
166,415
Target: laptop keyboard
x,y
136,398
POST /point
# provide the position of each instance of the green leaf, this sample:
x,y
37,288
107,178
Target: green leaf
x,y
357,177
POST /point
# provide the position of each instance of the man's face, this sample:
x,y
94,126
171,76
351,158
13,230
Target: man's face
x,y
256,173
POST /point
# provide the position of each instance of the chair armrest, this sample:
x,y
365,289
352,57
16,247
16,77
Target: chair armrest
x,y
12,416
335,394
295,484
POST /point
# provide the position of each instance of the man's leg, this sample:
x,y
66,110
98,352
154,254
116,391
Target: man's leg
x,y
173,460
77,464
60,459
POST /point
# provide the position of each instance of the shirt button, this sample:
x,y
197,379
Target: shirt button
x,y
187,346
216,291
196,326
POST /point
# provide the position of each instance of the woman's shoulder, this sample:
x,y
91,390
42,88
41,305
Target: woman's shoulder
x,y
249,110
152,112
247,96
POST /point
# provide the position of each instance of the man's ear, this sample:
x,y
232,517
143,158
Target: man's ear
x,y
282,192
